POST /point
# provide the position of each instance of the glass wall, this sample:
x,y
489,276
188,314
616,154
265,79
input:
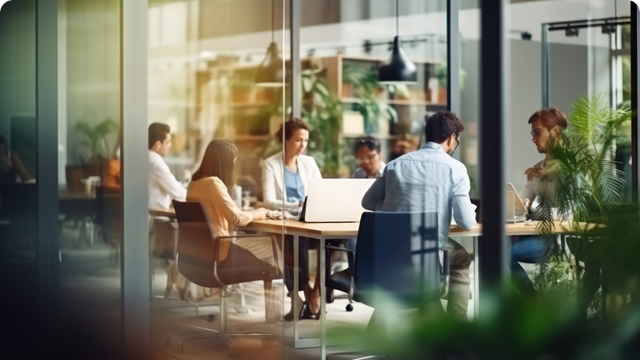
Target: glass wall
x,y
89,177
19,244
215,75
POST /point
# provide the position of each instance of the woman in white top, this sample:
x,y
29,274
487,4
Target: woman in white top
x,y
285,180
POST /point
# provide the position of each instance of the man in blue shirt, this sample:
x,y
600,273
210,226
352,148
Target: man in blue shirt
x,y
430,180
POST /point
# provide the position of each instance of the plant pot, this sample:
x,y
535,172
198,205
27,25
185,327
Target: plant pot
x,y
346,90
74,175
264,96
240,97
94,167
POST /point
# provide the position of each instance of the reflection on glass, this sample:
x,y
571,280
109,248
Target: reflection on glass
x,y
218,124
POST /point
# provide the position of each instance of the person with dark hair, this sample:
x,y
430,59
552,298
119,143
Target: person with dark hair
x,y
163,186
367,153
291,171
430,180
211,186
11,165
546,124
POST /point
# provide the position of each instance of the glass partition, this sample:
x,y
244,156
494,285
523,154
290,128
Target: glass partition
x,y
218,84
89,178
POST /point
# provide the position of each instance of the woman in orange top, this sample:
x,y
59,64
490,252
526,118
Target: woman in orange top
x,y
210,186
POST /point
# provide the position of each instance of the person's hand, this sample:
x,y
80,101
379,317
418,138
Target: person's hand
x,y
527,204
263,213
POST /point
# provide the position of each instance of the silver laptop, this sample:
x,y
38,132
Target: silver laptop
x,y
515,210
335,200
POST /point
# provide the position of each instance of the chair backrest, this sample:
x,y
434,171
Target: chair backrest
x,y
197,248
397,256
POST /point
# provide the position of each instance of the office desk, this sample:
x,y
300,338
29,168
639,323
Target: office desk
x,y
325,231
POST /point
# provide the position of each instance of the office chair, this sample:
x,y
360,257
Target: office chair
x,y
199,261
397,255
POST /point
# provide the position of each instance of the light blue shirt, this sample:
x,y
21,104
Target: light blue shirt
x,y
294,185
427,180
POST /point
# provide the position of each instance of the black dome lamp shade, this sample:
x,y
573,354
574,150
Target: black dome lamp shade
x,y
398,69
270,72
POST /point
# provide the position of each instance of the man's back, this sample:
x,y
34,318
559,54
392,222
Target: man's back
x,y
427,180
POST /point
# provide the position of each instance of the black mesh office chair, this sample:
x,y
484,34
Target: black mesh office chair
x,y
199,260
397,256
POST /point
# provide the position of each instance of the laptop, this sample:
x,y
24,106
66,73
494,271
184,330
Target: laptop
x,y
335,200
515,210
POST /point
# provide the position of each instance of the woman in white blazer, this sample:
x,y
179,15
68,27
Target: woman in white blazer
x,y
285,180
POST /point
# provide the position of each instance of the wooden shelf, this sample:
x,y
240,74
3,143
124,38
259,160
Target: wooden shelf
x,y
250,104
252,137
351,100
379,136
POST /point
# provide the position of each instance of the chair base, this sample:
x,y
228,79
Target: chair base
x,y
266,341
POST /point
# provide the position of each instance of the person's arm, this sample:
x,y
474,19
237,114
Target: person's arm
x,y
229,210
167,182
269,197
374,197
528,195
463,210
19,167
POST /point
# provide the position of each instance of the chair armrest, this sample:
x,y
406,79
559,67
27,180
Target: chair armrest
x,y
444,274
273,245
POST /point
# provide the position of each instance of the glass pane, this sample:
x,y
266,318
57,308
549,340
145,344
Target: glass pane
x,y
216,91
18,175
89,196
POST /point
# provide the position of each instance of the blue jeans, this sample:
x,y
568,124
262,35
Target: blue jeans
x,y
530,250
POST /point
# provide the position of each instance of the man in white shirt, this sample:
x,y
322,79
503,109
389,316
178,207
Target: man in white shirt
x,y
163,186
430,180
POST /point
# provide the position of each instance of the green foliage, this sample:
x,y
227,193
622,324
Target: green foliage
x,y
366,86
95,143
582,175
441,72
322,111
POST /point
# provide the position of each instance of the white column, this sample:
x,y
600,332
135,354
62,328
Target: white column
x,y
135,257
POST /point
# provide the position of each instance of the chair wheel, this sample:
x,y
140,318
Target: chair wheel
x,y
211,318
349,307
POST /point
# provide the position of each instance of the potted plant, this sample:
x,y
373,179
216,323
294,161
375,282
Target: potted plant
x,y
94,149
366,86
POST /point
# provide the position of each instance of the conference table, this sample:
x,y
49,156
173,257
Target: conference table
x,y
327,231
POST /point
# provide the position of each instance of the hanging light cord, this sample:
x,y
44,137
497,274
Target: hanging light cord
x,y
273,20
397,18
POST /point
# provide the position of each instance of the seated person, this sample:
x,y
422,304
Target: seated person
x,y
367,153
163,186
210,187
431,180
545,124
11,168
298,169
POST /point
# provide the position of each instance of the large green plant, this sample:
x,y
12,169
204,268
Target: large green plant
x,y
95,144
322,111
366,86
582,170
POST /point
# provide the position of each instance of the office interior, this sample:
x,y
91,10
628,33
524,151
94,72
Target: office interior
x,y
76,236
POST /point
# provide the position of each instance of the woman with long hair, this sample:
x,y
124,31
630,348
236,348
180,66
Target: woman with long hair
x,y
285,180
211,186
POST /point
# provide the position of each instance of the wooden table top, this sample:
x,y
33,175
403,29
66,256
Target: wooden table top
x,y
351,229
67,194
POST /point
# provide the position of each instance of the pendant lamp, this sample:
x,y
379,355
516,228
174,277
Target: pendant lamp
x,y
398,69
269,73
